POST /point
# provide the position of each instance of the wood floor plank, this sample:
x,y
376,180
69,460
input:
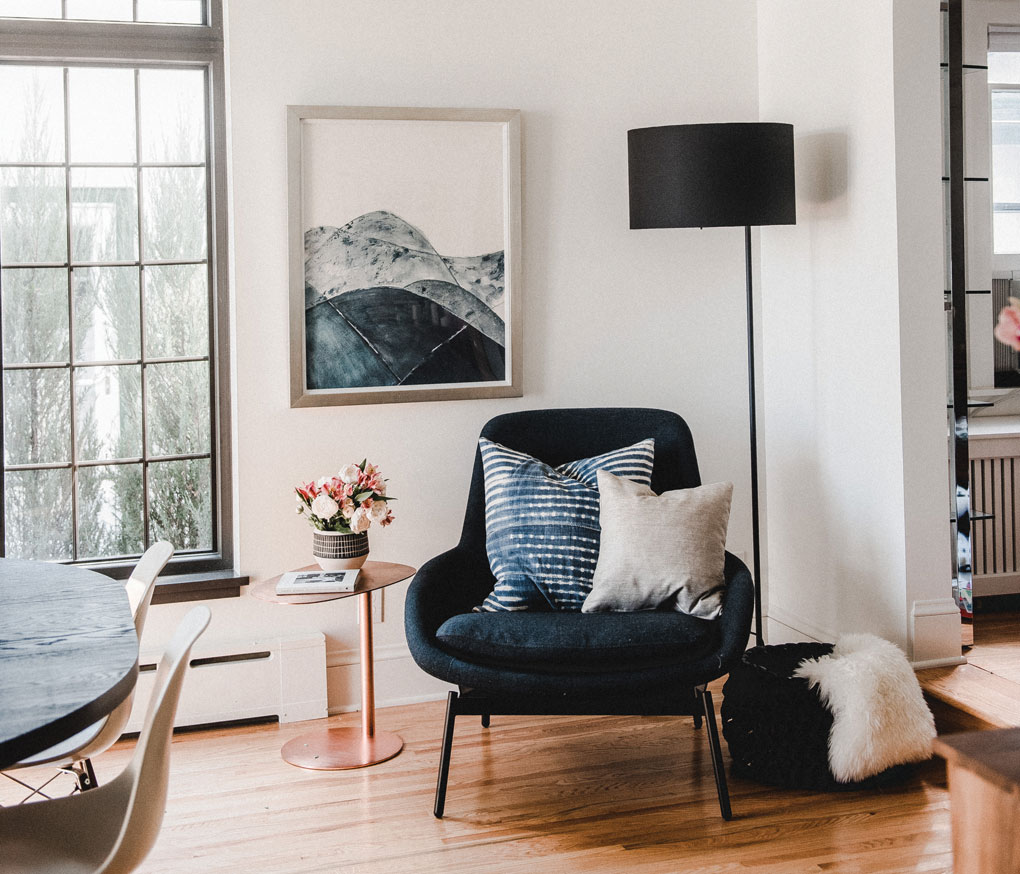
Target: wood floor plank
x,y
529,795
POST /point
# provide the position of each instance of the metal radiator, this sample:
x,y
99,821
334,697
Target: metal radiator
x,y
995,483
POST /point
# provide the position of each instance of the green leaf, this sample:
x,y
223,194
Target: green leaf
x,y
360,496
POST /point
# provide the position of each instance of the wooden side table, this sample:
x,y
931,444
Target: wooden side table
x,y
335,749
984,794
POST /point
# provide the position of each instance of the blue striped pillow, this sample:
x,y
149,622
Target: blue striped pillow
x,y
542,524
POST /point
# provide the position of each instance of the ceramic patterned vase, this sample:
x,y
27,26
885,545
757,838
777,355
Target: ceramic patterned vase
x,y
336,551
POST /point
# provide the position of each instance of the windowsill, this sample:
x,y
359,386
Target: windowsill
x,y
206,586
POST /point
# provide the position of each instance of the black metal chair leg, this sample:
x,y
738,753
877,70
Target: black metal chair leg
x,y
717,760
87,780
444,757
485,720
697,721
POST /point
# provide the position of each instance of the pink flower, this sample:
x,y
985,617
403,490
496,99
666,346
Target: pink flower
x,y
348,508
387,520
350,473
360,521
378,512
1008,329
325,507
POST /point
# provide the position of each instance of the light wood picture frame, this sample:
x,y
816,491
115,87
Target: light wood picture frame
x,y
405,254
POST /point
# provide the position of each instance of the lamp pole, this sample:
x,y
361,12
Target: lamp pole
x,y
753,423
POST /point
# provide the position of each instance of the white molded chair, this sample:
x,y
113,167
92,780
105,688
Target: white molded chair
x,y
74,753
111,829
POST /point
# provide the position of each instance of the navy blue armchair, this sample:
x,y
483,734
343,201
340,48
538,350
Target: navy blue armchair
x,y
647,663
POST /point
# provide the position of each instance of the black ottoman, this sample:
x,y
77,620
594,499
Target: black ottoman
x,y
776,726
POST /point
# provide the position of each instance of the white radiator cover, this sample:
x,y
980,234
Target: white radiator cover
x,y
227,680
995,489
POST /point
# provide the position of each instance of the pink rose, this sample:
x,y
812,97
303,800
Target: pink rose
x,y
1007,331
325,507
348,508
360,521
378,512
350,473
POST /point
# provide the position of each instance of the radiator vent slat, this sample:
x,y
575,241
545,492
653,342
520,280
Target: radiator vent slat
x,y
233,657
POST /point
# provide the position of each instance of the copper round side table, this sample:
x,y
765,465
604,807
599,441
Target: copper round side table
x,y
336,749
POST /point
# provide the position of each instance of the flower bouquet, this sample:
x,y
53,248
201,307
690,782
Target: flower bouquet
x,y
1008,328
341,509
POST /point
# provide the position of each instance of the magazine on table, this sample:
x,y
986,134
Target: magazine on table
x,y
317,582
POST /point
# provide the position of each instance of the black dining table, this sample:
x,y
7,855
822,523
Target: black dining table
x,y
68,653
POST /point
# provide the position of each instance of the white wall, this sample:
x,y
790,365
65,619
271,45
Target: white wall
x,y
612,316
853,327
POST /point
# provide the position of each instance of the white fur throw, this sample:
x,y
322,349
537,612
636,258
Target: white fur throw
x,y
879,715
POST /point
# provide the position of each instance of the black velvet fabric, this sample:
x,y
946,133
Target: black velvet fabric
x,y
458,580
578,641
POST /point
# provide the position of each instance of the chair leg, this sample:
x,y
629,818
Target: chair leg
x,y
717,760
485,720
444,757
697,722
86,776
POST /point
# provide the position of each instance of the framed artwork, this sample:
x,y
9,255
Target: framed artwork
x,y
405,229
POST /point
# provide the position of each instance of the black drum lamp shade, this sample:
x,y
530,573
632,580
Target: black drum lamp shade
x,y
718,176
711,175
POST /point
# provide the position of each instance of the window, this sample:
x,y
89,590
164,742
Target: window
x,y
1004,83
111,296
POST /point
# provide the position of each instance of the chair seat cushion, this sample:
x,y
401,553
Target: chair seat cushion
x,y
578,642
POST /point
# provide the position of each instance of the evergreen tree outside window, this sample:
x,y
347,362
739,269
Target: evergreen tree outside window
x,y
111,298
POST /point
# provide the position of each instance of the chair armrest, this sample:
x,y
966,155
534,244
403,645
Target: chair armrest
x,y
451,583
735,620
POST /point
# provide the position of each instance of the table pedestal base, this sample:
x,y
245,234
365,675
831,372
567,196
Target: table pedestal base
x,y
337,749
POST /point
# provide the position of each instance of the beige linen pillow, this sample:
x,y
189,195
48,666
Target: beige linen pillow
x,y
660,549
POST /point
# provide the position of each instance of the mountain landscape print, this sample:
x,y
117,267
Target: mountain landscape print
x,y
384,308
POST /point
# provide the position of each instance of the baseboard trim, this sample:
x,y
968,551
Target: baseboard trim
x,y
392,702
339,658
935,639
947,662
800,625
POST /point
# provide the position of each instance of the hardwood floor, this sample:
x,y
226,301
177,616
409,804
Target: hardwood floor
x,y
985,693
528,795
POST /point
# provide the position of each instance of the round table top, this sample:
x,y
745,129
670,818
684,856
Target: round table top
x,y
68,653
374,575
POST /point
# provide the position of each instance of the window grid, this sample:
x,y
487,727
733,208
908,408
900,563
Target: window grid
x,y
134,16
1003,208
144,361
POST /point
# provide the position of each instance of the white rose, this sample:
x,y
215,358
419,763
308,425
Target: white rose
x,y
325,507
360,521
378,511
350,473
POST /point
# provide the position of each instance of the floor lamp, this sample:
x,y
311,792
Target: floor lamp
x,y
717,175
